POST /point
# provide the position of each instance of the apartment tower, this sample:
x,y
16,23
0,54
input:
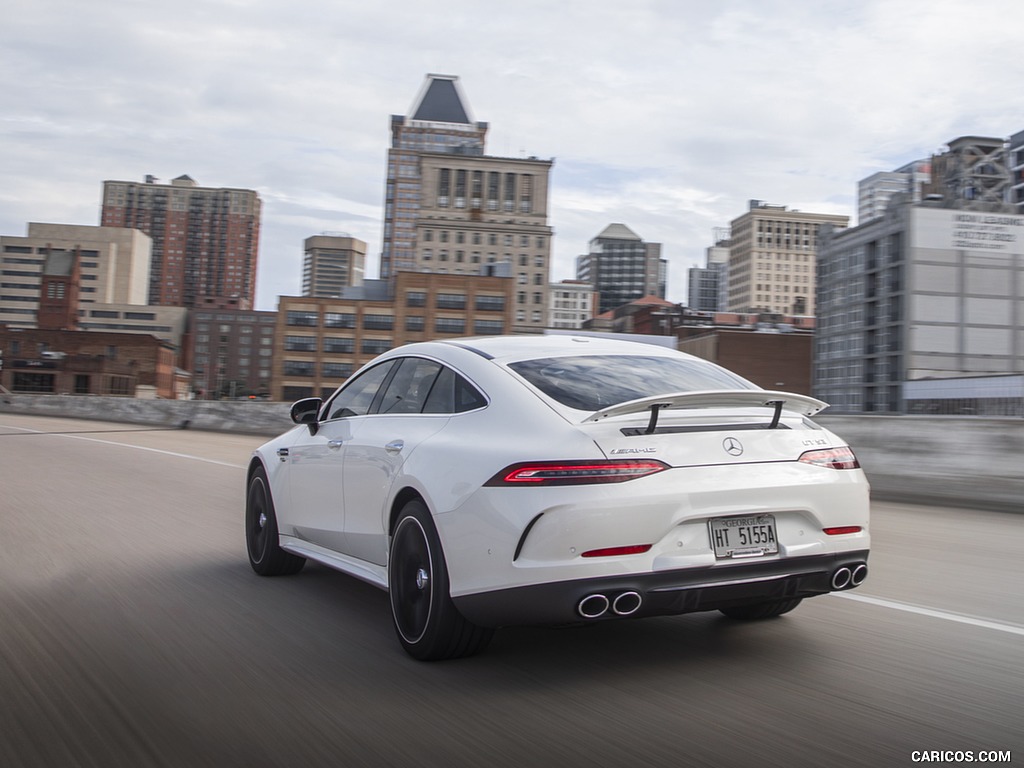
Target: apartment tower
x,y
205,239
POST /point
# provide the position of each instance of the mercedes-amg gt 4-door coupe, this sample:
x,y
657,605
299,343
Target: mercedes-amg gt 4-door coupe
x,y
548,480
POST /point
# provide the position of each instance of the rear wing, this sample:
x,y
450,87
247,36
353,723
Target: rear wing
x,y
716,398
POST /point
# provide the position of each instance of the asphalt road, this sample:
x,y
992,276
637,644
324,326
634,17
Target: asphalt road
x,y
133,633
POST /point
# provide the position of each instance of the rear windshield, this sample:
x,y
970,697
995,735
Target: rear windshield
x,y
593,382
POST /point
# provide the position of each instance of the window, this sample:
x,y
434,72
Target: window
x,y
300,343
415,299
298,368
302,317
379,322
356,397
339,320
592,382
336,370
453,394
375,346
409,387
450,325
488,327
414,323
490,303
333,344
451,301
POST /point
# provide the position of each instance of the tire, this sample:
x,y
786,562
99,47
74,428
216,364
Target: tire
x,y
265,554
428,625
761,610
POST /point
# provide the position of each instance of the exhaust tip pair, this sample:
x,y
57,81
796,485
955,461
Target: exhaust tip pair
x,y
597,605
849,577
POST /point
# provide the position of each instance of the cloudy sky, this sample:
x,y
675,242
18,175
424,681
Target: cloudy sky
x,y
664,115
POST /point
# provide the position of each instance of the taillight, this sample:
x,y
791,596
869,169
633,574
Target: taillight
x,y
833,458
842,530
534,473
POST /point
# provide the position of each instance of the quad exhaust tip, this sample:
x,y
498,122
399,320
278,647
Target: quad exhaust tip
x,y
848,577
597,605
627,603
859,574
592,606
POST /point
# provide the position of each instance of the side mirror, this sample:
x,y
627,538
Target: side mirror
x,y
305,411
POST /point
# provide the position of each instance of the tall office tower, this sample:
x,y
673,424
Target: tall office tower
x,y
440,122
622,267
205,239
772,259
332,263
452,209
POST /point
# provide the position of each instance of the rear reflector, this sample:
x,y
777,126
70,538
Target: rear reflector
x,y
833,458
635,549
575,472
842,529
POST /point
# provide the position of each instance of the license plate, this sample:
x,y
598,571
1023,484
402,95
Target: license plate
x,y
737,537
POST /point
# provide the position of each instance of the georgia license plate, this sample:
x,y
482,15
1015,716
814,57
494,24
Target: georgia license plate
x,y
736,537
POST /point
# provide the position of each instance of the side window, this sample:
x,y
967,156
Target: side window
x,y
409,386
357,396
453,394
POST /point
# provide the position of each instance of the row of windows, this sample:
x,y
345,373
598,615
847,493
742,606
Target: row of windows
x,y
443,236
415,323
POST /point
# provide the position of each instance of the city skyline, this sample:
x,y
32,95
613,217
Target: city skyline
x,y
791,104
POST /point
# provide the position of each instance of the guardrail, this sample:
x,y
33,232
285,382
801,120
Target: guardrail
x,y
962,461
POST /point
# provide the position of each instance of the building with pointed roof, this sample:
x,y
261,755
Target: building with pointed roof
x,y
451,209
622,267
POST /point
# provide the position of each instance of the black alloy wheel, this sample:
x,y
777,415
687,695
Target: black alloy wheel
x,y
428,624
265,554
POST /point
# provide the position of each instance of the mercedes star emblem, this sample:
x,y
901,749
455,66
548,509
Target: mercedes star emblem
x,y
732,446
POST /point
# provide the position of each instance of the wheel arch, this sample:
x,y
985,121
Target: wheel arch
x,y
403,497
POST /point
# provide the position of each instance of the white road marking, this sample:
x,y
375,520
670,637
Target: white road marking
x,y
128,445
932,612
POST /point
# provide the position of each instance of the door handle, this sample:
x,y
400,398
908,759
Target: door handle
x,y
335,444
395,446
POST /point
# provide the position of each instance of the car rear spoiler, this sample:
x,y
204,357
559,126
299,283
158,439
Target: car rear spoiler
x,y
716,398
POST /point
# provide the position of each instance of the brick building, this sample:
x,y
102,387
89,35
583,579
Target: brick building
x,y
769,358
321,341
89,363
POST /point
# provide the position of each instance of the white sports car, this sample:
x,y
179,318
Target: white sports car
x,y
487,482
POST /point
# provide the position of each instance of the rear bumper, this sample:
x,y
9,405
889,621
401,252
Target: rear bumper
x,y
662,593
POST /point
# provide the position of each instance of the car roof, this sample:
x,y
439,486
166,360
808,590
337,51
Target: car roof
x,y
509,349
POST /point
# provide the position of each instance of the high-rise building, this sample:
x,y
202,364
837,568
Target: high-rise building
x,y
439,121
205,239
451,209
112,262
772,259
332,263
622,267
929,293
